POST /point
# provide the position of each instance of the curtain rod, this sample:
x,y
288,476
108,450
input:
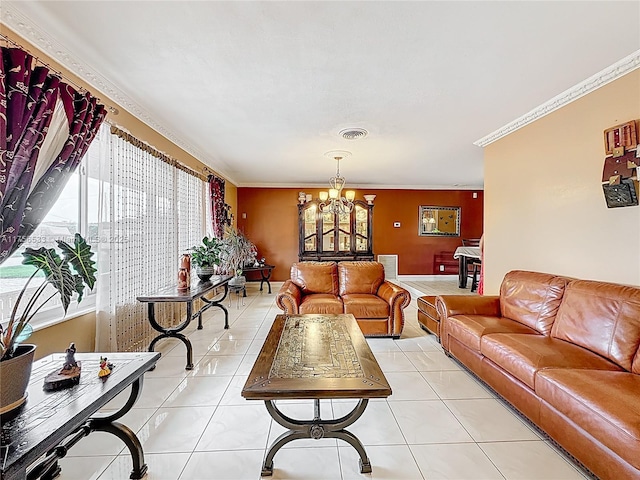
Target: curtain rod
x,y
142,145
57,73
121,133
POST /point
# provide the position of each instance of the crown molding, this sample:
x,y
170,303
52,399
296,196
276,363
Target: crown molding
x,y
356,186
33,33
609,74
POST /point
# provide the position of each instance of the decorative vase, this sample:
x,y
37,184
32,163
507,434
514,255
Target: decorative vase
x,y
14,379
205,273
183,279
185,261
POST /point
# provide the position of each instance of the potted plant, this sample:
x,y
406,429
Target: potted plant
x,y
68,272
237,252
206,257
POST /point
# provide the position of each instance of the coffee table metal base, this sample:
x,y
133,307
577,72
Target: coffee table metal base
x,y
316,429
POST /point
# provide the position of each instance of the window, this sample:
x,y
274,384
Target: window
x,y
152,212
76,210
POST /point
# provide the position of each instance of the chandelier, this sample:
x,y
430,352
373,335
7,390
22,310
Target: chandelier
x,y
333,201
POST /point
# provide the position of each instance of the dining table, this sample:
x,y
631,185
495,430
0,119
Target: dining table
x,y
463,254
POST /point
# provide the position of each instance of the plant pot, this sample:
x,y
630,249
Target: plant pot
x,y
205,273
238,280
14,379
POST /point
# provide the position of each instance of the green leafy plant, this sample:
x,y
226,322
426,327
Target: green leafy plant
x,y
207,254
68,271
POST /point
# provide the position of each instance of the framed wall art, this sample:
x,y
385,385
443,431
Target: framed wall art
x,y
439,221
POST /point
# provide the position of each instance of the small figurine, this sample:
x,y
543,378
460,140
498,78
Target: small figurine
x,y
70,359
105,367
68,375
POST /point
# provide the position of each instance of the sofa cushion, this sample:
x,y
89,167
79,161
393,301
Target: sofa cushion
x,y
365,306
531,298
605,404
321,303
360,277
524,355
603,317
315,277
469,329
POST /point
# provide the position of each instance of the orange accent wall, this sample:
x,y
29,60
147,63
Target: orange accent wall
x,y
272,224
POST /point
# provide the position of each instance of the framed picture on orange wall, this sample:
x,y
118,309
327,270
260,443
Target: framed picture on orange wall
x,y
439,221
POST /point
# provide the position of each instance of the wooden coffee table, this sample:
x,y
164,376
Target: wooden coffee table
x,y
315,357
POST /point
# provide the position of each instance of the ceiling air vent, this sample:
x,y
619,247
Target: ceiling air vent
x,y
353,133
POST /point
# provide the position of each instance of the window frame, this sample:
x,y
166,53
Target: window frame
x,y
53,314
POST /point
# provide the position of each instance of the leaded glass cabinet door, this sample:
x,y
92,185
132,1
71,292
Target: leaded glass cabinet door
x,y
310,229
344,232
327,236
362,228
328,229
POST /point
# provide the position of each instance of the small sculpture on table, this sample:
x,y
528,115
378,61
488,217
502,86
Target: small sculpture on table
x,y
68,375
105,367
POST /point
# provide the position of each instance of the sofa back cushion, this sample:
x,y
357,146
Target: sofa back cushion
x,y
635,367
360,277
602,317
531,298
315,277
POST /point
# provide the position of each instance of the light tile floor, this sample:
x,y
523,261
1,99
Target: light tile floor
x,y
439,423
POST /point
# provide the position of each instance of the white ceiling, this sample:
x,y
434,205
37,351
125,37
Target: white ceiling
x,y
260,90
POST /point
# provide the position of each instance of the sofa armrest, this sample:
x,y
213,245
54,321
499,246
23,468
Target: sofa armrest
x,y
288,298
449,305
398,298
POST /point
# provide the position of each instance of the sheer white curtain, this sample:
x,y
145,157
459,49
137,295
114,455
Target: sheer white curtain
x,y
191,210
150,212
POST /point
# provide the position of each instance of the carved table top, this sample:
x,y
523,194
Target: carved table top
x,y
315,356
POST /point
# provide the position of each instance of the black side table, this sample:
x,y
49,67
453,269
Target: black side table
x,y
265,274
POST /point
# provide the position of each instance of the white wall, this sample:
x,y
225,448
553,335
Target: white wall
x,y
544,206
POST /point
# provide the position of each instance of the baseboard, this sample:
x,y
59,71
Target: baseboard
x,y
424,278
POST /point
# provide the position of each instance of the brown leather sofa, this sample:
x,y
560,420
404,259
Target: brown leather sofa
x,y
565,353
358,288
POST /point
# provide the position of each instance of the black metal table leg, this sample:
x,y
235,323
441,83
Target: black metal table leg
x,y
130,439
217,303
462,271
48,468
172,332
316,429
265,278
106,423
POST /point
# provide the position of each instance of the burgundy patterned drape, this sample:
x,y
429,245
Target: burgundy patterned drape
x,y
31,180
218,207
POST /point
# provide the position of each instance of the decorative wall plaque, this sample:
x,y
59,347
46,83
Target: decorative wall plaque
x,y
621,195
623,135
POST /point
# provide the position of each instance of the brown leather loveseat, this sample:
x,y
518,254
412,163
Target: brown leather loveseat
x,y
565,353
358,288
